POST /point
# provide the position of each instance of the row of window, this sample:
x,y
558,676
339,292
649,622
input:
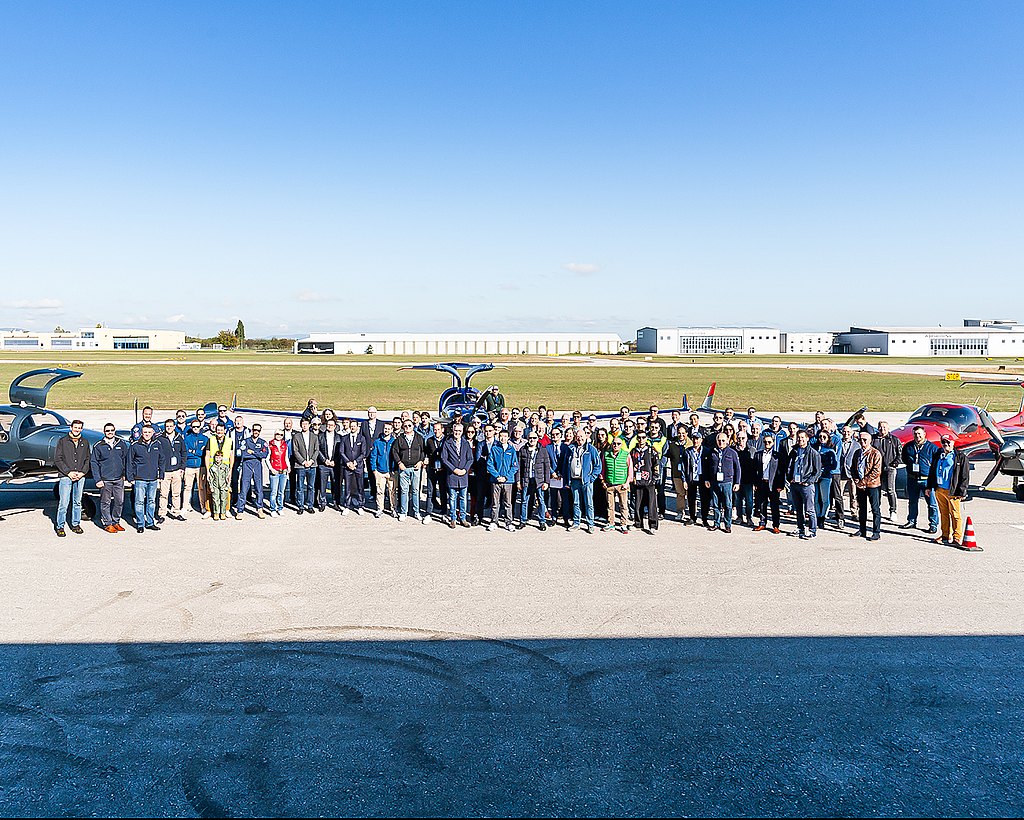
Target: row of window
x,y
689,345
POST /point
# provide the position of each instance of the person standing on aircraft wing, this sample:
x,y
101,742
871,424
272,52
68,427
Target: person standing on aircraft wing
x,y
147,418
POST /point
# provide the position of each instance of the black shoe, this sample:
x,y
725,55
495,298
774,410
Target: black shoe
x,y
728,528
909,525
140,530
931,531
76,529
322,509
301,512
60,532
543,526
875,537
153,527
520,526
159,519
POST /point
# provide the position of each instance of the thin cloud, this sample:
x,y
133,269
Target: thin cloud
x,y
581,268
176,319
40,305
313,296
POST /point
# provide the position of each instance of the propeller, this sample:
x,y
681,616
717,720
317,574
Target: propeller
x,y
1007,449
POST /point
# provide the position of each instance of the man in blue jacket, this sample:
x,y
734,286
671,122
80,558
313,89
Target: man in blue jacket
x,y
252,450
502,467
918,456
581,467
803,469
145,468
108,462
457,458
380,466
195,474
721,470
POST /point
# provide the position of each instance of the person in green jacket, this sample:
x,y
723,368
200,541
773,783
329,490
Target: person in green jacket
x,y
220,487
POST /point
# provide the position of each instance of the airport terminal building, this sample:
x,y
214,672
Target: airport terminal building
x,y
977,337
92,338
447,345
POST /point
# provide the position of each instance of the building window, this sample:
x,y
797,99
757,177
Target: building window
x,y
21,343
959,346
88,334
710,344
131,343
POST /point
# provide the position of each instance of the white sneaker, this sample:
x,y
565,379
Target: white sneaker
x,y
399,517
343,511
490,527
508,526
424,519
358,511
205,514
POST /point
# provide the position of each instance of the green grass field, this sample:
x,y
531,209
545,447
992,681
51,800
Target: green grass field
x,y
278,386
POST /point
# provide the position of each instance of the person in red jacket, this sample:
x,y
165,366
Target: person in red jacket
x,y
278,461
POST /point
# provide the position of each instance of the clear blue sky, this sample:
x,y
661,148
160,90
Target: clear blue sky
x,y
523,165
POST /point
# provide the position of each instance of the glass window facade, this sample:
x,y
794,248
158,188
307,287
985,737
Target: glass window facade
x,y
710,344
959,346
21,343
131,343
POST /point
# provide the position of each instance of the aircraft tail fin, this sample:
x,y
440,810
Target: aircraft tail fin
x,y
234,402
136,409
686,404
1018,418
709,399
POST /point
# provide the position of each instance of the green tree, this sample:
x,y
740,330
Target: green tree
x,y
226,338
240,334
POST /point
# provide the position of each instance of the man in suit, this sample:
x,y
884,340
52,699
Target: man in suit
x,y
327,461
354,453
372,429
305,447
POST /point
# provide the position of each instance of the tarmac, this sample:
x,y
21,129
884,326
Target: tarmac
x,y
349,666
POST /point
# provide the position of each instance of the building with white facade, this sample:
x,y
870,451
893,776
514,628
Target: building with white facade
x,y
92,338
977,337
686,341
447,345
816,344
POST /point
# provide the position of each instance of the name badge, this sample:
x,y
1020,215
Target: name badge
x,y
174,460
915,467
437,464
720,476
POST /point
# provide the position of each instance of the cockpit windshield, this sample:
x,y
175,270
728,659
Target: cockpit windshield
x,y
956,418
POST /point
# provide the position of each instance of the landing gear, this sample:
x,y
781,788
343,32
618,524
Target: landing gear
x,y
1018,488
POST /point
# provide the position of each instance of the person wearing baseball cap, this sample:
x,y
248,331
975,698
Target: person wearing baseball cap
x,y
947,478
493,400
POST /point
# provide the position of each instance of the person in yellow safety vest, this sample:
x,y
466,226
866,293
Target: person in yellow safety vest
x,y
219,443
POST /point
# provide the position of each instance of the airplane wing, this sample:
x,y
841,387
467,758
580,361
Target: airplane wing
x,y
257,411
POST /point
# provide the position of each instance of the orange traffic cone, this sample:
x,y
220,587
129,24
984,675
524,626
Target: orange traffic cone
x,y
970,544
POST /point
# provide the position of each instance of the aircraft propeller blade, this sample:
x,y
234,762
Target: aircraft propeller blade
x,y
995,471
991,428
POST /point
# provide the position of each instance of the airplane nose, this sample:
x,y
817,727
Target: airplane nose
x,y
1010,449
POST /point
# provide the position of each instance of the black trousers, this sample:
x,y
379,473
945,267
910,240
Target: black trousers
x,y
872,496
693,492
354,497
837,502
646,499
327,475
764,498
705,502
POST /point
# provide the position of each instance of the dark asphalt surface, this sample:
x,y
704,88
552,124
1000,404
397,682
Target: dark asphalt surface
x,y
722,726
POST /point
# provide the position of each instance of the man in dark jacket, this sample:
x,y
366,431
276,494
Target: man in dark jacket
x,y
803,469
493,400
721,471
456,460
353,453
918,456
646,477
745,449
328,462
408,452
437,485
172,443
108,461
768,482
72,462
145,468
892,455
948,478
253,451
534,475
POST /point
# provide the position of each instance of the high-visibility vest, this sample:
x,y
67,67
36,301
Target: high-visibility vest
x,y
225,448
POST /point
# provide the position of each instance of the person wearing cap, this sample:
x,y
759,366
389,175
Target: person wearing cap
x,y
948,477
918,456
866,468
493,400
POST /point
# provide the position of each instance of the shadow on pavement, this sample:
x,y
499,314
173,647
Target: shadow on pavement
x,y
432,726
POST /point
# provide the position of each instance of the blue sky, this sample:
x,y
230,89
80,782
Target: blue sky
x,y
529,165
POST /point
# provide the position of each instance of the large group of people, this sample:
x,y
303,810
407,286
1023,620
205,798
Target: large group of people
x,y
515,464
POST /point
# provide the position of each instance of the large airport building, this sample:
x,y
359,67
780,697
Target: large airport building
x,y
446,345
686,341
92,338
977,337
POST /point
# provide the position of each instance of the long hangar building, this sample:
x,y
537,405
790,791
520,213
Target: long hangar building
x,y
977,337
459,344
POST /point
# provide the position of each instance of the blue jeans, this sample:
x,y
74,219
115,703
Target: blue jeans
x,y
806,518
745,503
524,502
457,503
914,493
409,490
305,480
721,502
145,502
582,496
69,491
823,497
278,483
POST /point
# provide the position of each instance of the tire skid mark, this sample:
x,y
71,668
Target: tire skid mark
x,y
91,611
